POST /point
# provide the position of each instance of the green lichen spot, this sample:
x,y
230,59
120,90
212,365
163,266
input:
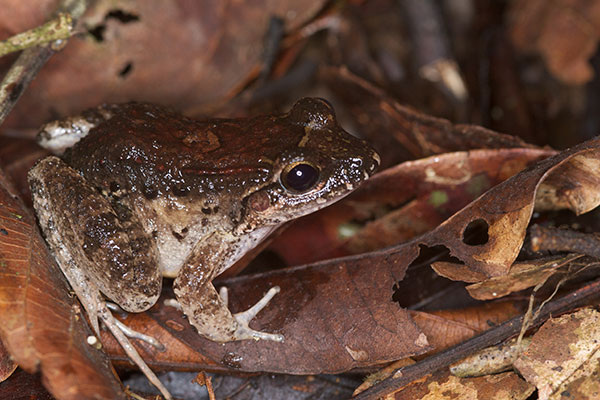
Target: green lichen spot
x,y
438,198
478,185
347,230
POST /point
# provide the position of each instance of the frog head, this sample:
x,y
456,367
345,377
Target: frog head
x,y
320,164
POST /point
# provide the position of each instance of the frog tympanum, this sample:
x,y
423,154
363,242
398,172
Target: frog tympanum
x,y
143,192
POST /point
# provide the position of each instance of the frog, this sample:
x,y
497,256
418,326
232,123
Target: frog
x,y
137,192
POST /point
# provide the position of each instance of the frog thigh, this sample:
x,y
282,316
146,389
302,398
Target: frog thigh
x,y
116,254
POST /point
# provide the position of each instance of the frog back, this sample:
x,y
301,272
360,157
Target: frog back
x,y
147,148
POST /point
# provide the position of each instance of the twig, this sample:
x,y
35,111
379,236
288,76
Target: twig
x,y
209,388
555,239
530,315
488,338
31,60
432,50
272,45
204,380
58,28
19,76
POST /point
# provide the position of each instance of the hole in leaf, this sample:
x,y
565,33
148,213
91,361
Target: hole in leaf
x,y
122,16
421,286
98,31
126,70
476,233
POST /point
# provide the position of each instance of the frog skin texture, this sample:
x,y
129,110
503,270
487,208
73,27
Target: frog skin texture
x,y
144,193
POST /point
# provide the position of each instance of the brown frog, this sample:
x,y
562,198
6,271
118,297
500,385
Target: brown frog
x,y
144,193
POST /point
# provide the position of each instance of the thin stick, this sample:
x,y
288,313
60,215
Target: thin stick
x,y
432,48
31,60
555,239
58,28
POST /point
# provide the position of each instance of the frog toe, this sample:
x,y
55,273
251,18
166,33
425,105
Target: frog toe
x,y
243,331
133,334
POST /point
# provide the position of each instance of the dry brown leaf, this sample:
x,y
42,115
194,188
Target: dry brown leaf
x,y
333,316
506,210
563,358
16,157
571,186
400,133
521,276
177,356
446,328
442,385
187,54
7,365
564,32
40,324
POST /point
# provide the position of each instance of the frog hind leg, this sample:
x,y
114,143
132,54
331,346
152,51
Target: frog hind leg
x,y
86,288
207,310
114,253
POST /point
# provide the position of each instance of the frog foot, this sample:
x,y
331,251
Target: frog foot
x,y
133,334
105,315
243,318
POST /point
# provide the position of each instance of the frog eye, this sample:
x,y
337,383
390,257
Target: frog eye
x,y
299,177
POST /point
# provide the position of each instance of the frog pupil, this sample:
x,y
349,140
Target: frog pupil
x,y
301,177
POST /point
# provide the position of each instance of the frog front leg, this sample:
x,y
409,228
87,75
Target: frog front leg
x,y
207,310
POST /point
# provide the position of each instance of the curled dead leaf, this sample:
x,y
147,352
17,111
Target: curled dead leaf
x,y
400,133
521,276
7,365
40,323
